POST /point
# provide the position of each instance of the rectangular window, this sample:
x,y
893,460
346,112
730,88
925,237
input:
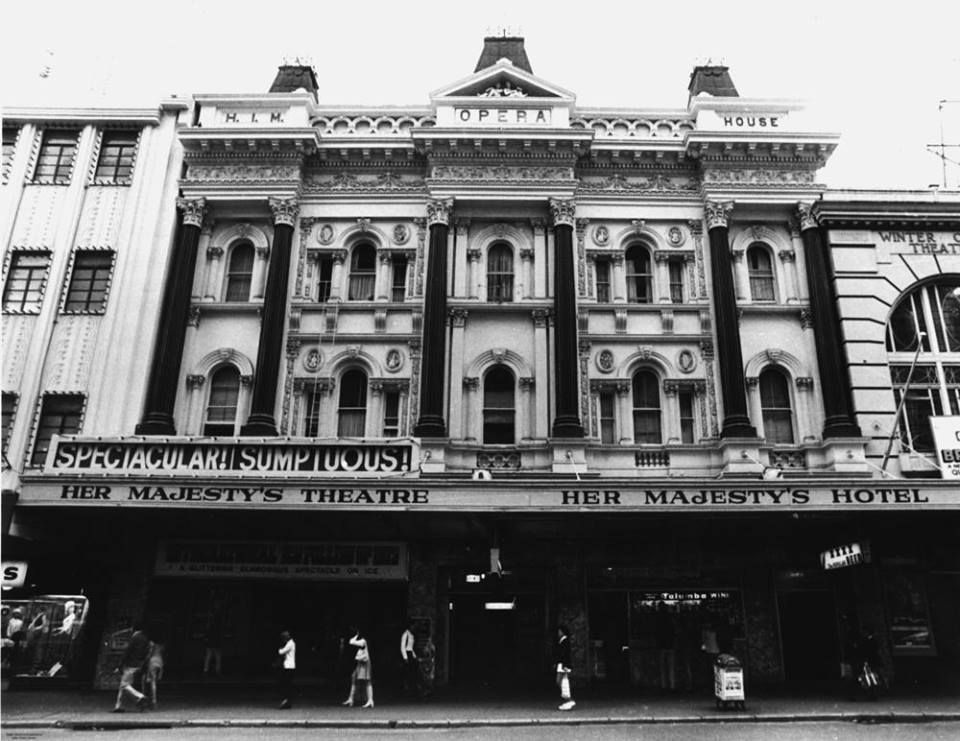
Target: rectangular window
x,y
60,414
324,277
391,413
311,425
922,400
685,401
676,269
398,292
117,152
603,281
9,410
25,280
55,161
89,282
607,418
9,149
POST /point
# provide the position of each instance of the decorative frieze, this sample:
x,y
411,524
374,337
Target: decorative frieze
x,y
502,173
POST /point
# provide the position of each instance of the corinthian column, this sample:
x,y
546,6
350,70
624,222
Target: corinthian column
x,y
834,375
431,423
566,423
261,422
736,421
168,351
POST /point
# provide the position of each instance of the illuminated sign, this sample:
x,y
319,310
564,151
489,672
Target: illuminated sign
x,y
946,438
14,574
845,555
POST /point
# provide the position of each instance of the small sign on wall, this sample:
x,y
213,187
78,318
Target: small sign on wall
x,y
946,438
14,574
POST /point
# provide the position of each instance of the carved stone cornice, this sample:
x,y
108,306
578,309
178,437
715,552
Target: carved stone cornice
x,y
563,212
717,213
316,385
285,210
540,317
193,210
805,217
439,211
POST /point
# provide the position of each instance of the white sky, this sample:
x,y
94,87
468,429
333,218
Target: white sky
x,y
875,72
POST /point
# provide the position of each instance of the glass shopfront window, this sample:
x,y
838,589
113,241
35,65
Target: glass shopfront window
x,y
41,635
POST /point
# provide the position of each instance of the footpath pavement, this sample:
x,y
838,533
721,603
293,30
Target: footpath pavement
x,y
210,708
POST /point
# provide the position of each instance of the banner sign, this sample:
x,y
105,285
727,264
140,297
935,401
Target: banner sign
x,y
418,494
946,438
260,458
268,560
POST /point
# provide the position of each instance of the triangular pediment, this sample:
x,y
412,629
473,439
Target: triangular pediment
x,y
502,80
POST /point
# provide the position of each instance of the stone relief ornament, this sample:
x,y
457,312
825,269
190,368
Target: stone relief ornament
x,y
401,233
675,236
313,360
504,89
604,361
601,235
394,361
686,361
326,234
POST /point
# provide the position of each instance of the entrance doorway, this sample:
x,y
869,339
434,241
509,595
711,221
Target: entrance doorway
x,y
809,635
610,637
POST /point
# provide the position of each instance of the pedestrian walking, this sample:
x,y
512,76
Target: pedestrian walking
x,y
362,670
213,642
131,663
153,673
288,665
408,656
666,635
428,666
564,667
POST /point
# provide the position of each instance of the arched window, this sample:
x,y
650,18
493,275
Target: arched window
x,y
646,408
760,270
639,275
352,411
221,415
928,319
498,407
775,407
240,272
500,273
363,272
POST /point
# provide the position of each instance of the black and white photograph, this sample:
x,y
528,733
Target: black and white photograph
x,y
482,371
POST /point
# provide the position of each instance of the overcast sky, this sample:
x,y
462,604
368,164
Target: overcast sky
x,y
874,72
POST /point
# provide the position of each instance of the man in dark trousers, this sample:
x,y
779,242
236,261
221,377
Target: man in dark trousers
x,y
409,657
132,661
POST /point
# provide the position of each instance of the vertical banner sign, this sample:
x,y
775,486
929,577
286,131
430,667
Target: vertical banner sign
x,y
946,437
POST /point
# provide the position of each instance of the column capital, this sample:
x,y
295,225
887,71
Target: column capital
x,y
193,210
195,381
462,226
805,216
439,211
458,317
262,251
339,256
285,210
562,211
471,383
526,253
717,213
214,253
474,254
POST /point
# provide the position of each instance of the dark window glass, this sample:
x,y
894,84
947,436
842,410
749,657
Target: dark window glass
x,y
324,277
946,308
89,282
776,408
312,421
639,276
685,401
391,414
222,402
603,281
498,407
363,273
399,288
607,418
55,161
60,414
25,279
8,406
646,408
240,272
352,417
117,152
760,269
500,273
676,281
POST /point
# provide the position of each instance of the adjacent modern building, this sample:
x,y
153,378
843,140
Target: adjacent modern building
x,y
492,363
